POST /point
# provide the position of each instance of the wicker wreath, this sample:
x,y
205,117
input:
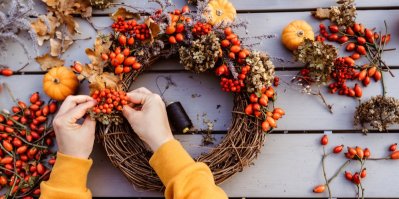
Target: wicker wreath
x,y
203,41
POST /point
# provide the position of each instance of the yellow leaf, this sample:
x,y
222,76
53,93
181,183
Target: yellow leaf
x,y
39,27
47,62
125,14
105,80
154,28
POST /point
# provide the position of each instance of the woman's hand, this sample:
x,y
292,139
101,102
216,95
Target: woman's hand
x,y
151,121
72,138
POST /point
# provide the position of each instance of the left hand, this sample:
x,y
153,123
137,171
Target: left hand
x,y
72,138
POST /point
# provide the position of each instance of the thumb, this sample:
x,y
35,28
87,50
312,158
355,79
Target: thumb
x,y
79,111
89,124
130,113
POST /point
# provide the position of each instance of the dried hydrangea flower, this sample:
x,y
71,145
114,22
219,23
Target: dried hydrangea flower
x,y
344,14
262,72
379,112
319,58
201,54
101,4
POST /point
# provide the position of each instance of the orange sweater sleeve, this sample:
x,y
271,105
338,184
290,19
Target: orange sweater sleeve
x,y
68,179
184,178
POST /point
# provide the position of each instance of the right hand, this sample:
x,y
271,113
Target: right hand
x,y
151,122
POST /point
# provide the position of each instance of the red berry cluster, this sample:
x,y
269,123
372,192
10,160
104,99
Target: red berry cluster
x,y
121,60
232,85
109,101
201,29
138,31
344,70
24,145
276,81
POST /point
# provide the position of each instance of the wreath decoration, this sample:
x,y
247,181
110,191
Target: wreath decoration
x,y
204,41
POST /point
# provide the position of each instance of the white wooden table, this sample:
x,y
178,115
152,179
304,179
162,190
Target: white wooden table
x,y
289,164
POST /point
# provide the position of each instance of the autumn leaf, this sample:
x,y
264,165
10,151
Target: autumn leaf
x,y
47,62
42,29
125,14
321,13
101,45
105,80
153,27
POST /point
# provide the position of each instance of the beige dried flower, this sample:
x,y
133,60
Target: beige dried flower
x,y
101,4
262,72
201,54
379,112
344,14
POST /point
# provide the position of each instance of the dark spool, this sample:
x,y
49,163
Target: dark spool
x,y
178,117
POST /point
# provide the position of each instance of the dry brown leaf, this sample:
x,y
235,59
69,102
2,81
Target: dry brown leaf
x,y
56,47
51,3
321,13
47,62
101,45
40,27
154,28
125,14
105,80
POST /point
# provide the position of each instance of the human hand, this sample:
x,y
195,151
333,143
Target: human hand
x,y
151,122
72,138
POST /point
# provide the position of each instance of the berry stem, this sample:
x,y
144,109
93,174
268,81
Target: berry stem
x,y
329,107
339,171
324,172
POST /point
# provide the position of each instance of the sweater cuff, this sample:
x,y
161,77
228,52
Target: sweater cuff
x,y
169,160
70,172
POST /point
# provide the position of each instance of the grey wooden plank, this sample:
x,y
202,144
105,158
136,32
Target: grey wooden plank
x,y
268,6
288,166
200,94
259,23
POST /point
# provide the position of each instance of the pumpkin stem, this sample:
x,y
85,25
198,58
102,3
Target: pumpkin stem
x,y
56,81
300,33
219,12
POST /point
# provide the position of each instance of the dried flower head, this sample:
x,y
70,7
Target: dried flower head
x,y
319,58
104,118
101,4
201,54
262,72
344,14
379,112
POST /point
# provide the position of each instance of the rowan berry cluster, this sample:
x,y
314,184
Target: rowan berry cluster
x,y
132,28
24,150
229,84
201,29
109,101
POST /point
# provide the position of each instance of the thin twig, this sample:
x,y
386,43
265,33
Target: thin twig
x,y
324,171
339,171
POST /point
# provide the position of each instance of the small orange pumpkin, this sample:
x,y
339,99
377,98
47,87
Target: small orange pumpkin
x,y
221,11
295,33
60,82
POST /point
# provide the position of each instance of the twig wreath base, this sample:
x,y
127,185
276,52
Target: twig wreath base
x,y
237,150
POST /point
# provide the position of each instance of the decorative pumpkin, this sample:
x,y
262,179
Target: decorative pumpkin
x,y
295,33
60,82
221,11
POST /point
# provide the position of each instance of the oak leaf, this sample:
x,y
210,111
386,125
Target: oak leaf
x,y
125,14
153,27
47,62
105,80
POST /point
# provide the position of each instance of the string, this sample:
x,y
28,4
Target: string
x,y
169,82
